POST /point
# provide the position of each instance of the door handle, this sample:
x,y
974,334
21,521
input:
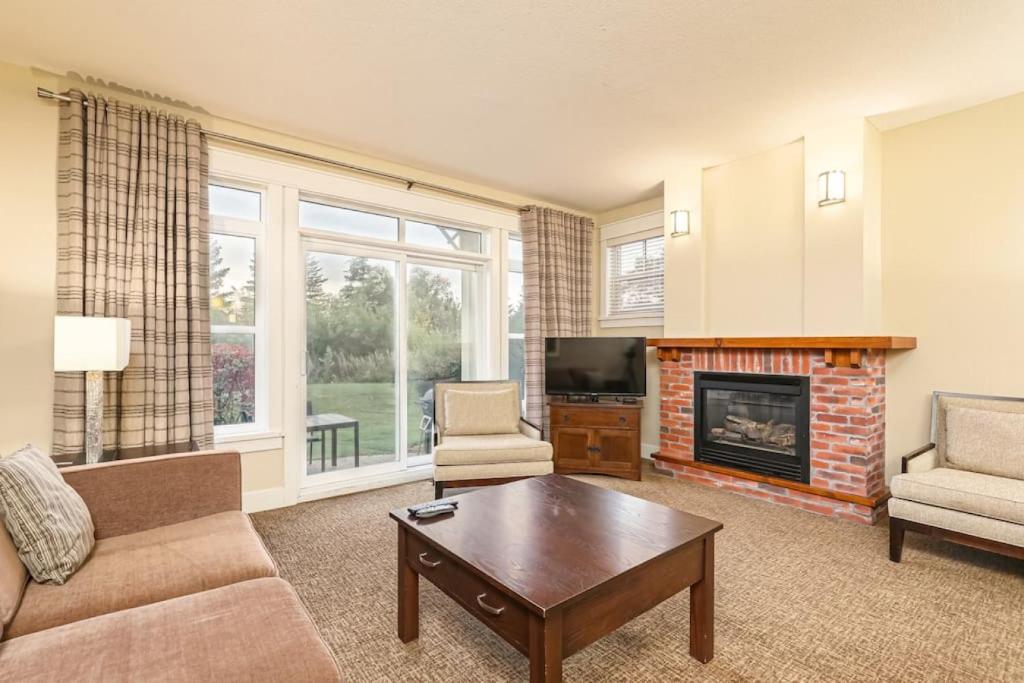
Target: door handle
x,y
496,611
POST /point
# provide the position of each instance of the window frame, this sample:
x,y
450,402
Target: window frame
x,y
635,229
256,230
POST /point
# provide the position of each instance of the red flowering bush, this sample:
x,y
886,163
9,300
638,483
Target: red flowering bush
x,y
234,384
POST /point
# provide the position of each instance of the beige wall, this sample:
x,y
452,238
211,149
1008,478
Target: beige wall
x,y
953,261
28,244
28,228
753,226
649,416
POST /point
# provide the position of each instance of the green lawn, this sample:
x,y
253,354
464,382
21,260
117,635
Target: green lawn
x,y
374,406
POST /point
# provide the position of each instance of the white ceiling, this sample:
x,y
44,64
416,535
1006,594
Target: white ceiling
x,y
585,103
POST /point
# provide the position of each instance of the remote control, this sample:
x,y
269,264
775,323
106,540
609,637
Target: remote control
x,y
443,501
434,511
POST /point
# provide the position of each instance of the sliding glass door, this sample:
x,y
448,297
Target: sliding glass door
x,y
443,341
352,361
381,328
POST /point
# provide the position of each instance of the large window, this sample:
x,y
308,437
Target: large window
x,y
336,304
235,344
384,322
634,277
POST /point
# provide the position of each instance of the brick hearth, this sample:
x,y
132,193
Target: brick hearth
x,y
847,424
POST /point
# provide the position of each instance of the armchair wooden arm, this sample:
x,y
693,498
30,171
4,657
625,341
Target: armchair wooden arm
x,y
905,461
531,430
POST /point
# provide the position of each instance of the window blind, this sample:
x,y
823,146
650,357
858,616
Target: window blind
x,y
636,276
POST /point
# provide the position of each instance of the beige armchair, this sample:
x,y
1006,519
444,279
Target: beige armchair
x,y
967,486
480,437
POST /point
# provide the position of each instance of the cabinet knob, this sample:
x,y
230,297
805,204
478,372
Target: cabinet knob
x,y
622,419
565,418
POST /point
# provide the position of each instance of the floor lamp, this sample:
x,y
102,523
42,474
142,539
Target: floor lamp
x,y
92,345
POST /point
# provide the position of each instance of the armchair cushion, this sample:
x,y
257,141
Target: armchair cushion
x,y
985,441
970,492
491,449
472,412
960,522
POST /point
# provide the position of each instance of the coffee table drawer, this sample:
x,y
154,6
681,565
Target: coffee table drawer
x,y
498,610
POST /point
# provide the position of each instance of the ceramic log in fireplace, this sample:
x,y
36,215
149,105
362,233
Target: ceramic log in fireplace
x,y
753,422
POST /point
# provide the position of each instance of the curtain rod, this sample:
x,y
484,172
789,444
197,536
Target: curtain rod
x,y
408,182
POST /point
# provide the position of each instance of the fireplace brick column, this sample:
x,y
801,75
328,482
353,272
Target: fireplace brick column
x,y
847,425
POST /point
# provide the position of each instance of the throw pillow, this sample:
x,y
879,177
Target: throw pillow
x,y
47,519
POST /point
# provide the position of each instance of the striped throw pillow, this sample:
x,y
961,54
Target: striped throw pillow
x,y
47,519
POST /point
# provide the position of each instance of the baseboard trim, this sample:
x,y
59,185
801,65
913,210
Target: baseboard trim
x,y
263,499
341,488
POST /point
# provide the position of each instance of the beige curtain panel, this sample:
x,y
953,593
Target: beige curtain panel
x,y
133,242
557,262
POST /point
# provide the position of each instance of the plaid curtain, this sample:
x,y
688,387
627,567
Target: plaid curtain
x,y
557,262
133,242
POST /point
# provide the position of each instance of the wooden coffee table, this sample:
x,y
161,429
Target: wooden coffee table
x,y
552,564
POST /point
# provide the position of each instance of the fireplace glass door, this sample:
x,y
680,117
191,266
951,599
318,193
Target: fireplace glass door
x,y
756,419
754,422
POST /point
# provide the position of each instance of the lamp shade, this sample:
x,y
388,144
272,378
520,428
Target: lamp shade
x,y
86,343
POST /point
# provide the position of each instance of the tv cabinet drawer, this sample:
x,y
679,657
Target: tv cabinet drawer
x,y
615,417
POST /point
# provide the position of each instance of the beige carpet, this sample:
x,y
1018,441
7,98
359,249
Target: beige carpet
x,y
799,598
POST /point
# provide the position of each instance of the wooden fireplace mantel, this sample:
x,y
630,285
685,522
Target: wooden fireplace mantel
x,y
839,351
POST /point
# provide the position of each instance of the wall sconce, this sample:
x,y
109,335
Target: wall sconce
x,y
831,188
680,222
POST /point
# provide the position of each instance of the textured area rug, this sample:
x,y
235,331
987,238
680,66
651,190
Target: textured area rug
x,y
799,597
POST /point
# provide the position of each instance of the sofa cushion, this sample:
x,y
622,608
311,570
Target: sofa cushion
x,y
47,519
970,492
985,441
483,450
146,567
494,411
251,631
13,577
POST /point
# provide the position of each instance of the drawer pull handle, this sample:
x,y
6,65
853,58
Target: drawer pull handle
x,y
565,418
496,611
622,419
424,560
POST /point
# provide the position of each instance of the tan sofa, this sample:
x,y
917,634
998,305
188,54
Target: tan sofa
x,y
967,486
178,587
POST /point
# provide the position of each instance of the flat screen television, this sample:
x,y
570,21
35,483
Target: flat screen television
x,y
595,366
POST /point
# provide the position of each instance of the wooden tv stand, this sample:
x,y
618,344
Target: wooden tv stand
x,y
596,438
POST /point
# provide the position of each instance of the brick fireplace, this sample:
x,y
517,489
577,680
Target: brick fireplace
x,y
845,429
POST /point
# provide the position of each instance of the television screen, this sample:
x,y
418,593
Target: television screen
x,y
595,365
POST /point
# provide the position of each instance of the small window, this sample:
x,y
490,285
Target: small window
x,y
231,202
348,221
516,315
635,277
233,328
443,237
